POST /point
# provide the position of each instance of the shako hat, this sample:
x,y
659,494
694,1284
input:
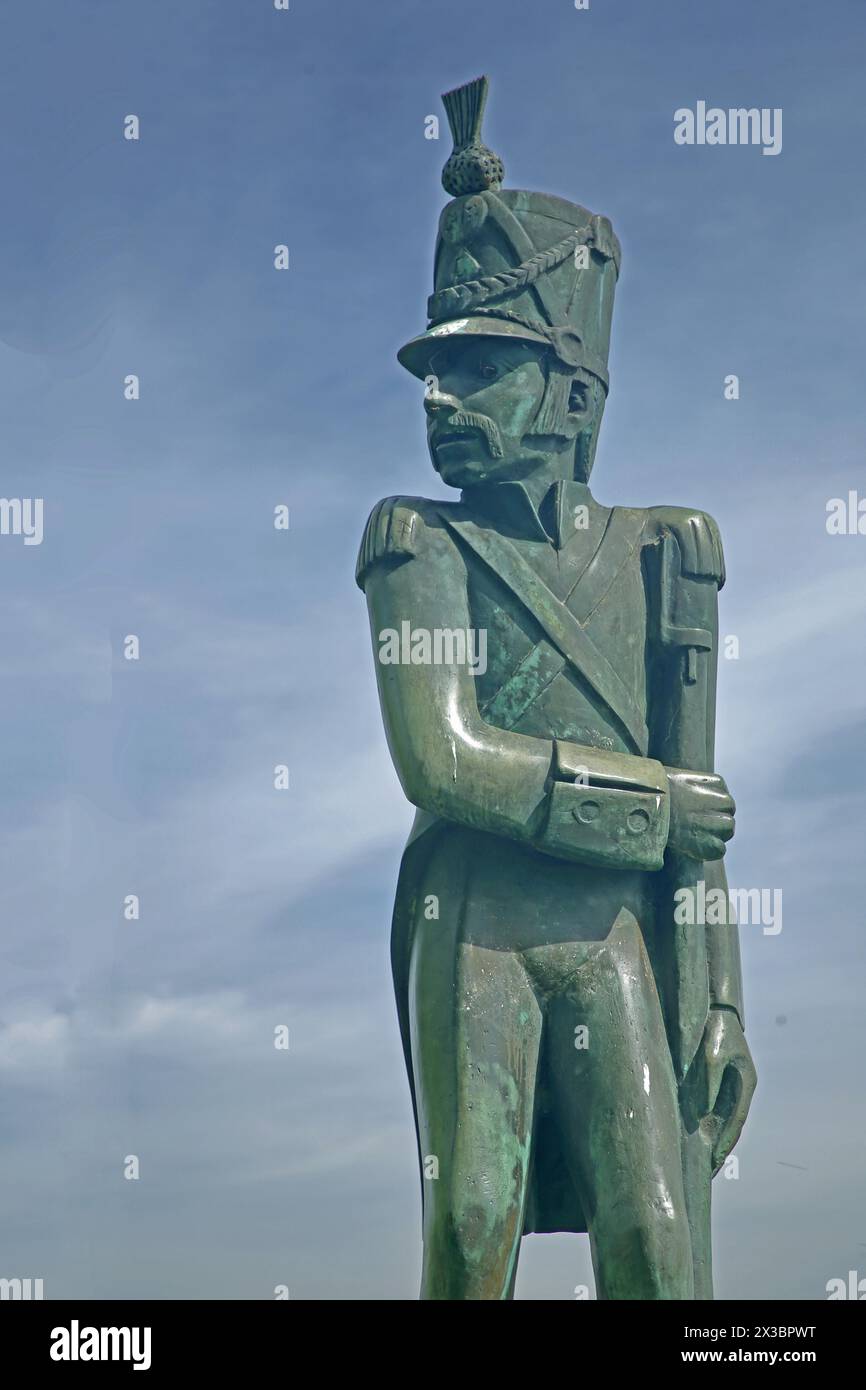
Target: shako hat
x,y
512,263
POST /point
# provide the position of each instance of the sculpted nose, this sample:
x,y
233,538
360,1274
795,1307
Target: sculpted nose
x,y
436,403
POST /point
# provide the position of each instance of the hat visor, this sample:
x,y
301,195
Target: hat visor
x,y
416,354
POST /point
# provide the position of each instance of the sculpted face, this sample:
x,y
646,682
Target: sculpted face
x,y
480,405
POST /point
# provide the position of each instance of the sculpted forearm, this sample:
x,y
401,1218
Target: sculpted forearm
x,y
723,950
568,800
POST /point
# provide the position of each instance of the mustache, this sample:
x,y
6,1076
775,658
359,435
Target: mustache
x,y
467,420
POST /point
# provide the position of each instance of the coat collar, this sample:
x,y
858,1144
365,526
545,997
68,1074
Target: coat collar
x,y
510,506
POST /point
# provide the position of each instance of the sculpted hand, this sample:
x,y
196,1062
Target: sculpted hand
x,y
721,1083
702,814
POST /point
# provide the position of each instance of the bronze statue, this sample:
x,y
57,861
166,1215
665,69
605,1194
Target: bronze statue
x,y
547,675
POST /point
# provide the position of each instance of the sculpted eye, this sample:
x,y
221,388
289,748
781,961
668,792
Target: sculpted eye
x,y
488,370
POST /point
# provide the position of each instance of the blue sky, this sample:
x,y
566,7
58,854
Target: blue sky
x,y
261,908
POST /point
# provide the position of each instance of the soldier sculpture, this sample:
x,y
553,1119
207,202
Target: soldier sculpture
x,y
547,675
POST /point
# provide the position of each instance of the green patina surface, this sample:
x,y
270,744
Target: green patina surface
x,y
576,1058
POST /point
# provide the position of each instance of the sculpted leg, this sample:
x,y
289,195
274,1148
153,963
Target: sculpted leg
x,y
476,1027
617,1104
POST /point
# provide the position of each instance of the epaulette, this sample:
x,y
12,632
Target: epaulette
x,y
392,532
698,538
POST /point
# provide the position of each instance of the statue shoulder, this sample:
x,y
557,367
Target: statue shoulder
x,y
698,538
395,532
